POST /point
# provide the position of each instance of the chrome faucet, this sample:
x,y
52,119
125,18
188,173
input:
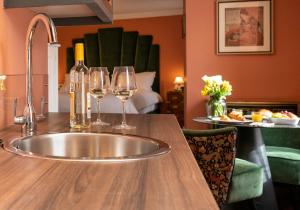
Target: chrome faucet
x,y
29,118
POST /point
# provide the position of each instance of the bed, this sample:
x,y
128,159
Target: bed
x,y
145,100
141,103
114,47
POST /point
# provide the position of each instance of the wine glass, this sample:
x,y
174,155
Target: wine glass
x,y
123,86
99,85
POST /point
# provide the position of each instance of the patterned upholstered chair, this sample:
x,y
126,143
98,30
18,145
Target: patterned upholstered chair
x,y
230,179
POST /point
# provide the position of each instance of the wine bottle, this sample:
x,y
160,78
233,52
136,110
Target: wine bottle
x,y
80,108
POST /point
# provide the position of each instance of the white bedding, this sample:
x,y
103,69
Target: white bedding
x,y
141,102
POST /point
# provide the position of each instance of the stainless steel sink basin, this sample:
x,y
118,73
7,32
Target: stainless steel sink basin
x,y
87,147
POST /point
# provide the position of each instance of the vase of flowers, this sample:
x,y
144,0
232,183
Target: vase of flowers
x,y
217,89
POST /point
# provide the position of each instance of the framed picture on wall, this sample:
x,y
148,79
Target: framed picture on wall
x,y
244,27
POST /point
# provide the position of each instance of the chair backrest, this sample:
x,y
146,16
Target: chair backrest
x,y
215,152
281,137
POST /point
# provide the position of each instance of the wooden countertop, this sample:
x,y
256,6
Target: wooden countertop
x,y
170,182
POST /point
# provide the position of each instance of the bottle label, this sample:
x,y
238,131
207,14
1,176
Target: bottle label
x,y
83,99
72,106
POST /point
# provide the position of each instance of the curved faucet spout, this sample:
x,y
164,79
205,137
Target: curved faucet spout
x,y
50,27
29,112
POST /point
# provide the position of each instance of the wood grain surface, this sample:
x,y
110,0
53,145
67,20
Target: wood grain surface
x,y
169,182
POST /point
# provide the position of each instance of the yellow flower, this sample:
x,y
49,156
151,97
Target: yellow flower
x,y
226,88
215,86
205,90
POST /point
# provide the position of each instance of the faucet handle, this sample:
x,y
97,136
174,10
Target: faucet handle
x,y
41,115
20,120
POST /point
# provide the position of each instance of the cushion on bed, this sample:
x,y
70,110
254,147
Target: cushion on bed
x,y
141,102
109,104
149,109
144,80
142,99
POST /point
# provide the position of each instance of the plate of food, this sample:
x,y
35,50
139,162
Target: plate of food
x,y
233,118
266,114
284,118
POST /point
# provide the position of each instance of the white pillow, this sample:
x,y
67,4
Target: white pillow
x,y
66,86
144,80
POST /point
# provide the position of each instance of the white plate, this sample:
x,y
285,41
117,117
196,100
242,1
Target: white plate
x,y
281,121
231,121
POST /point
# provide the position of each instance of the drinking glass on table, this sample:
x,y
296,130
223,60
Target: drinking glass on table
x,y
123,86
99,86
257,117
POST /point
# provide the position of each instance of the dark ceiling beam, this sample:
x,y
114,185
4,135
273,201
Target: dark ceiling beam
x,y
92,20
102,9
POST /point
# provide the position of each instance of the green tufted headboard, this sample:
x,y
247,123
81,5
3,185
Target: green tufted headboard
x,y
113,47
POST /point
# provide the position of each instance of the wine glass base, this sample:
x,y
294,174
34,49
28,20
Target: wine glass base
x,y
124,126
100,123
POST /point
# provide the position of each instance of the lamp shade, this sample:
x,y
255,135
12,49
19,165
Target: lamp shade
x,y
179,80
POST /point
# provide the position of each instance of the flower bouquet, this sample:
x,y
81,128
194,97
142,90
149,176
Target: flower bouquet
x,y
217,89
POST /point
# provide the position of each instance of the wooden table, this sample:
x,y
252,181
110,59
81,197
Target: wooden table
x,y
251,147
169,182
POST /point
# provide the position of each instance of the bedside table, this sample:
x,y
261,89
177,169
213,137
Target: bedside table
x,y
175,105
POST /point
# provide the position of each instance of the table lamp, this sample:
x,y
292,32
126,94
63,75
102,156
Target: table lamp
x,y
179,83
2,86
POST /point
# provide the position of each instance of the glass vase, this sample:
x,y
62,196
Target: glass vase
x,y
216,108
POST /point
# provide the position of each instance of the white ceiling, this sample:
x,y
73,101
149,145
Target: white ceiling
x,y
123,9
126,9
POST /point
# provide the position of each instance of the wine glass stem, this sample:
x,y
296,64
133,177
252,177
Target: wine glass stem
x,y
98,111
123,113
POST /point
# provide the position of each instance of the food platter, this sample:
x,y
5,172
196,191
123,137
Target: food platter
x,y
232,121
235,121
278,118
282,121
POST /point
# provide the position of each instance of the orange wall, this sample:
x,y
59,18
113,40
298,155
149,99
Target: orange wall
x,y
13,27
253,77
166,31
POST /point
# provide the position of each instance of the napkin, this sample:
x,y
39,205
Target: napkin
x,y
262,124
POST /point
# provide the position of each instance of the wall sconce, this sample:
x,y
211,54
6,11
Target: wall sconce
x,y
2,85
179,83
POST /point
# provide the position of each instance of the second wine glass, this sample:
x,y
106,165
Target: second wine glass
x,y
123,86
99,86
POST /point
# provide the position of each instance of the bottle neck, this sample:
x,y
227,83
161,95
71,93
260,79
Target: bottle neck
x,y
79,62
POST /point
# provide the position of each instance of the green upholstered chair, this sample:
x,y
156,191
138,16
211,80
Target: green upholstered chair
x,y
230,179
283,151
